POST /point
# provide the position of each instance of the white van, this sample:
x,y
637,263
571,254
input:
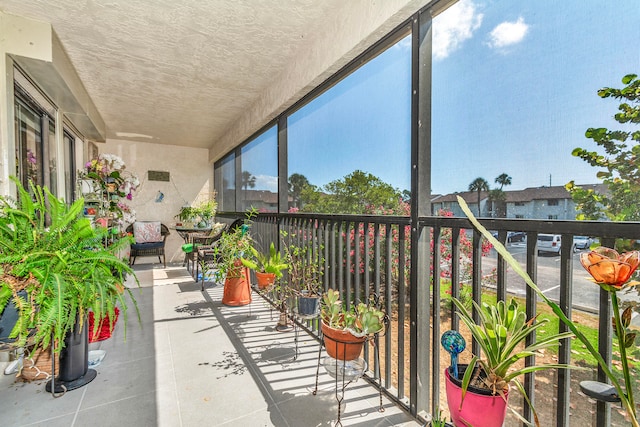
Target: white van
x,y
549,243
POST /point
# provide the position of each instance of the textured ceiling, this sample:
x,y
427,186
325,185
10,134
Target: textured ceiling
x,y
179,72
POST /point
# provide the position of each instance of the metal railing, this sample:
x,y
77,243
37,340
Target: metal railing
x,y
362,255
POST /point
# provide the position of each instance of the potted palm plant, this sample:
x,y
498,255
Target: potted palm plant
x,y
54,269
345,329
267,266
478,394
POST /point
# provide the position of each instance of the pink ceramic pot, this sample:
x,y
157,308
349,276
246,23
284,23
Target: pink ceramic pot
x,y
478,410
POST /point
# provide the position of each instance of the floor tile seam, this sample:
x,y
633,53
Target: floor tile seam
x,y
257,411
253,370
128,361
47,420
175,380
111,402
75,415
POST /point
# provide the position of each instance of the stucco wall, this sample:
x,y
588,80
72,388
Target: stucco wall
x,y
191,178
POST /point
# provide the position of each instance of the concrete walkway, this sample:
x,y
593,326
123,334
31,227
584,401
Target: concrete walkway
x,y
195,362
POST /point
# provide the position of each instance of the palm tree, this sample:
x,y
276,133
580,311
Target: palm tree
x,y
503,179
479,185
248,181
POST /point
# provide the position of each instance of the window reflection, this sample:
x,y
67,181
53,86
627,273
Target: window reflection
x,y
259,176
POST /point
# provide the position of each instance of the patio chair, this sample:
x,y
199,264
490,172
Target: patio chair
x,y
201,239
150,238
205,257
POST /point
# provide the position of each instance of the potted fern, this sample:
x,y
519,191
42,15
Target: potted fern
x,y
54,269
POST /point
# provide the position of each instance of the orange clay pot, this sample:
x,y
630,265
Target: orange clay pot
x,y
237,289
341,344
265,279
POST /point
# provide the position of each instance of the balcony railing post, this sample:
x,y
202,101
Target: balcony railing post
x,y
564,351
476,283
531,308
437,260
455,274
605,345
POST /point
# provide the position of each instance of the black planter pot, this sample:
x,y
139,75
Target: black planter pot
x,y
74,362
8,318
308,306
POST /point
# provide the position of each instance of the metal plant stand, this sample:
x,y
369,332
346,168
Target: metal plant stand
x,y
296,325
347,371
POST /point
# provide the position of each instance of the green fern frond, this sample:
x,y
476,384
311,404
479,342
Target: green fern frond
x,y
62,265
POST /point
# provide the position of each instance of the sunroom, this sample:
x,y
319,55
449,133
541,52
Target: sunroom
x,y
342,121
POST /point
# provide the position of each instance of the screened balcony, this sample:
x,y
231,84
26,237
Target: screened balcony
x,y
276,105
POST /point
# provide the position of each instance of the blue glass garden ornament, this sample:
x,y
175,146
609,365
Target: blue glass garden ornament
x,y
455,344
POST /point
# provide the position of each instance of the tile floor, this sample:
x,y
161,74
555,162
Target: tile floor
x,y
193,361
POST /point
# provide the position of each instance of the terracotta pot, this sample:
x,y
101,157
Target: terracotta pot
x,y
480,408
340,344
265,279
237,290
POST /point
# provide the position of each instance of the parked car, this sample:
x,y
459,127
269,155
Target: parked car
x,y
549,243
581,242
512,236
516,236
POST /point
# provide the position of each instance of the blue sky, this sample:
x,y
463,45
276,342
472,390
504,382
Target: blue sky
x,y
514,89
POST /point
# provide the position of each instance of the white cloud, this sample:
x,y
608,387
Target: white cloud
x,y
453,27
267,182
508,33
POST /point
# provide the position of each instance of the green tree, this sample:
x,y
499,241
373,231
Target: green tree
x,y
248,181
619,166
498,200
297,183
353,194
503,179
498,197
479,185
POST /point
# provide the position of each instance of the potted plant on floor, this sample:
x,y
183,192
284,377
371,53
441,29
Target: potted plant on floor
x,y
54,269
229,250
345,329
478,394
267,266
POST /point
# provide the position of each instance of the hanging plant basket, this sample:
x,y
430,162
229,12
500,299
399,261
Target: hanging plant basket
x,y
37,365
